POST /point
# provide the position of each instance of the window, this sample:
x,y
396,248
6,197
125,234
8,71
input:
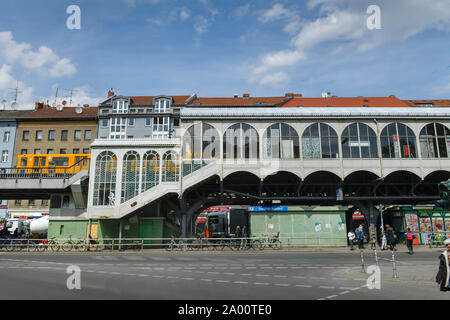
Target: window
x,y
23,151
86,151
171,167
241,141
7,136
31,203
130,176
320,141
5,156
281,141
148,121
150,170
63,151
120,106
162,106
23,162
87,134
18,202
26,135
59,161
64,135
105,179
38,135
434,141
161,127
51,135
104,122
398,141
50,151
118,128
76,151
37,151
131,122
66,202
359,141
77,135
44,203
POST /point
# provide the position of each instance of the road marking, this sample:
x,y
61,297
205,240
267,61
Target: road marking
x,y
331,297
261,283
282,284
303,285
223,281
241,282
344,292
187,278
326,287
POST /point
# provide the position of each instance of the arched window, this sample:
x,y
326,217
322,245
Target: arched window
x,y
398,141
434,141
200,144
359,141
241,141
281,141
171,167
105,179
150,170
130,175
320,141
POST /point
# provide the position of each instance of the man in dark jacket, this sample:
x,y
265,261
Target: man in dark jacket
x,y
442,278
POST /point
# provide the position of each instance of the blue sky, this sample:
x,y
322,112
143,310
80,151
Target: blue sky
x,y
222,47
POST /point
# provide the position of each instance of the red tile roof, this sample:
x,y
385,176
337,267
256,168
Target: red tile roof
x,y
148,100
88,113
239,101
371,102
436,103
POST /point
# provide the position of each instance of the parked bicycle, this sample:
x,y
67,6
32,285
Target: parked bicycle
x,y
173,245
70,245
271,242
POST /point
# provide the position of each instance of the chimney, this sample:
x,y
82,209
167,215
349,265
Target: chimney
x,y
38,105
236,95
298,95
110,93
289,95
246,95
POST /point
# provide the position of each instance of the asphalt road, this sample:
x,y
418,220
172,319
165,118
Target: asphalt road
x,y
267,275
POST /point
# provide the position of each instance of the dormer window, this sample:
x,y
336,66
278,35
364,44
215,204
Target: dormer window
x,y
120,106
162,106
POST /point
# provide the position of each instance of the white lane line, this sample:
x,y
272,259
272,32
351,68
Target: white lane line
x,y
223,281
241,282
303,285
245,274
279,276
229,274
208,280
261,283
262,275
326,287
331,297
282,284
344,292
187,278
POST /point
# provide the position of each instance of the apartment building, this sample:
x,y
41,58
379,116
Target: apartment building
x,y
47,130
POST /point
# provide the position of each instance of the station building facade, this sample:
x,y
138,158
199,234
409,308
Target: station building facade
x,y
182,153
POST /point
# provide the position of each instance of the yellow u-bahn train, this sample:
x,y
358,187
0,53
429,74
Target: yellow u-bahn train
x,y
52,163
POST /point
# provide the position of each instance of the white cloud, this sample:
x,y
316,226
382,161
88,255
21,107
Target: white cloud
x,y
201,24
342,24
44,60
275,80
8,82
241,12
80,96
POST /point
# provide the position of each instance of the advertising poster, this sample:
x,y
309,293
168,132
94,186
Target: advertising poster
x,y
447,225
438,225
412,222
425,229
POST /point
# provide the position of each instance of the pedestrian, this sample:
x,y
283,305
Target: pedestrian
x,y
390,237
384,241
244,237
373,241
237,233
442,277
351,237
409,240
360,235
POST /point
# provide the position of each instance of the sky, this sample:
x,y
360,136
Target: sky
x,y
216,48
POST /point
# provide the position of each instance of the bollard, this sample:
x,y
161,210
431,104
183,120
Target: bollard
x,y
363,269
376,256
394,267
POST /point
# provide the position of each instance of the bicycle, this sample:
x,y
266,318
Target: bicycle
x,y
70,244
273,242
173,245
15,245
